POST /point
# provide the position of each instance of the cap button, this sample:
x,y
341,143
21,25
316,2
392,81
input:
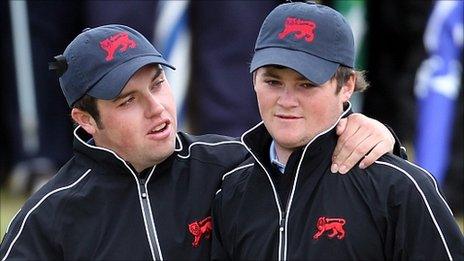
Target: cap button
x,y
310,2
86,29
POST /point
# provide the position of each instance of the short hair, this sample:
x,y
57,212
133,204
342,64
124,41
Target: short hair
x,y
89,104
343,74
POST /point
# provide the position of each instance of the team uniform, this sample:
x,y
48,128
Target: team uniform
x,y
98,208
392,210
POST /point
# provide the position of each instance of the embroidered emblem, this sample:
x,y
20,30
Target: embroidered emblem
x,y
199,229
119,41
301,28
330,224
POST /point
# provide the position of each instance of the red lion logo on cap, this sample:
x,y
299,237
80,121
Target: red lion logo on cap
x,y
301,28
200,228
326,224
119,41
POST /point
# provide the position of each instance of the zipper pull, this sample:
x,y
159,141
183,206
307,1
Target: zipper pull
x,y
142,188
282,223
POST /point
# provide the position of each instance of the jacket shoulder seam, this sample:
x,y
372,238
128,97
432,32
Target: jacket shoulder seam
x,y
234,171
237,169
212,144
37,205
424,198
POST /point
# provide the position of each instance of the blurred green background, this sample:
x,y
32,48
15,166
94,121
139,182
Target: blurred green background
x,y
9,205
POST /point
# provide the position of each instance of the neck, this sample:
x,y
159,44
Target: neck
x,y
283,153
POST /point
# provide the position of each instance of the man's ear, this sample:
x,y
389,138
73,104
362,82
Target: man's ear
x,y
254,80
348,88
85,120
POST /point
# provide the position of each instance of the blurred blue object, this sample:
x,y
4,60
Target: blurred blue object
x,y
438,86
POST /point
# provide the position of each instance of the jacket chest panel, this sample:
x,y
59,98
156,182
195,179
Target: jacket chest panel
x,y
334,222
181,206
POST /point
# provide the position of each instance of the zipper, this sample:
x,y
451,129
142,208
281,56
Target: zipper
x,y
149,221
282,238
143,198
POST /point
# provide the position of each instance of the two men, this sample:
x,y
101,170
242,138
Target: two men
x,y
135,189
283,202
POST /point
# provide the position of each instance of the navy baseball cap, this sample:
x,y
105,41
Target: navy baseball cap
x,y
309,38
100,61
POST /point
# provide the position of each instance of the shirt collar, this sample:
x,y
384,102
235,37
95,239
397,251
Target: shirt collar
x,y
274,160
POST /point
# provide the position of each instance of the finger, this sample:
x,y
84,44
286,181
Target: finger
x,y
351,127
341,126
341,151
380,149
369,150
349,144
354,150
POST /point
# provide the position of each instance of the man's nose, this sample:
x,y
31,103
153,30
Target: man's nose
x,y
288,98
154,107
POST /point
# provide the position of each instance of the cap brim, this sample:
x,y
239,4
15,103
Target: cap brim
x,y
110,85
315,69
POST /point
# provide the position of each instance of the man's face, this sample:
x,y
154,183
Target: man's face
x,y
140,124
293,109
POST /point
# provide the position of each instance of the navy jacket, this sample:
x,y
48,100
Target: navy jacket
x,y
97,208
392,210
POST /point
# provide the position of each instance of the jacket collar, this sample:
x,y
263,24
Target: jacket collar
x,y
84,144
257,140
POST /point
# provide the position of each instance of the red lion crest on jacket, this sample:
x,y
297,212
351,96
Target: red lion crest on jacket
x,y
330,224
199,229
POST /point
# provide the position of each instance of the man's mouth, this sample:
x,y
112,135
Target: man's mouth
x,y
160,131
159,128
287,117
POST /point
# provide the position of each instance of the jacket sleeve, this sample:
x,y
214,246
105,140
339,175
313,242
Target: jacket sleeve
x,y
398,149
218,251
30,236
422,225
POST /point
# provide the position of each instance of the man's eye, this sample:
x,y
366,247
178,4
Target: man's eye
x,y
308,85
272,82
127,102
157,84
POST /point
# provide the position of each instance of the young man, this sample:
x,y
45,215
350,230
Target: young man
x,y
135,189
283,202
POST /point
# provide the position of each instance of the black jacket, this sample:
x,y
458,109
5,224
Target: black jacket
x,y
392,210
97,208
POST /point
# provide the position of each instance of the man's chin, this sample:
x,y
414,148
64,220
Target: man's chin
x,y
287,144
161,153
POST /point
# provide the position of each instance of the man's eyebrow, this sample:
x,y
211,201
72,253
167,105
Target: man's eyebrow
x,y
268,73
122,96
158,72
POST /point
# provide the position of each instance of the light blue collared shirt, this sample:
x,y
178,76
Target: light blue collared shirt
x,y
274,160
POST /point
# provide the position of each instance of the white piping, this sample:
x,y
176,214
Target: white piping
x,y
37,205
207,144
232,171
435,185
267,174
151,213
298,172
146,225
237,168
425,201
136,182
180,143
